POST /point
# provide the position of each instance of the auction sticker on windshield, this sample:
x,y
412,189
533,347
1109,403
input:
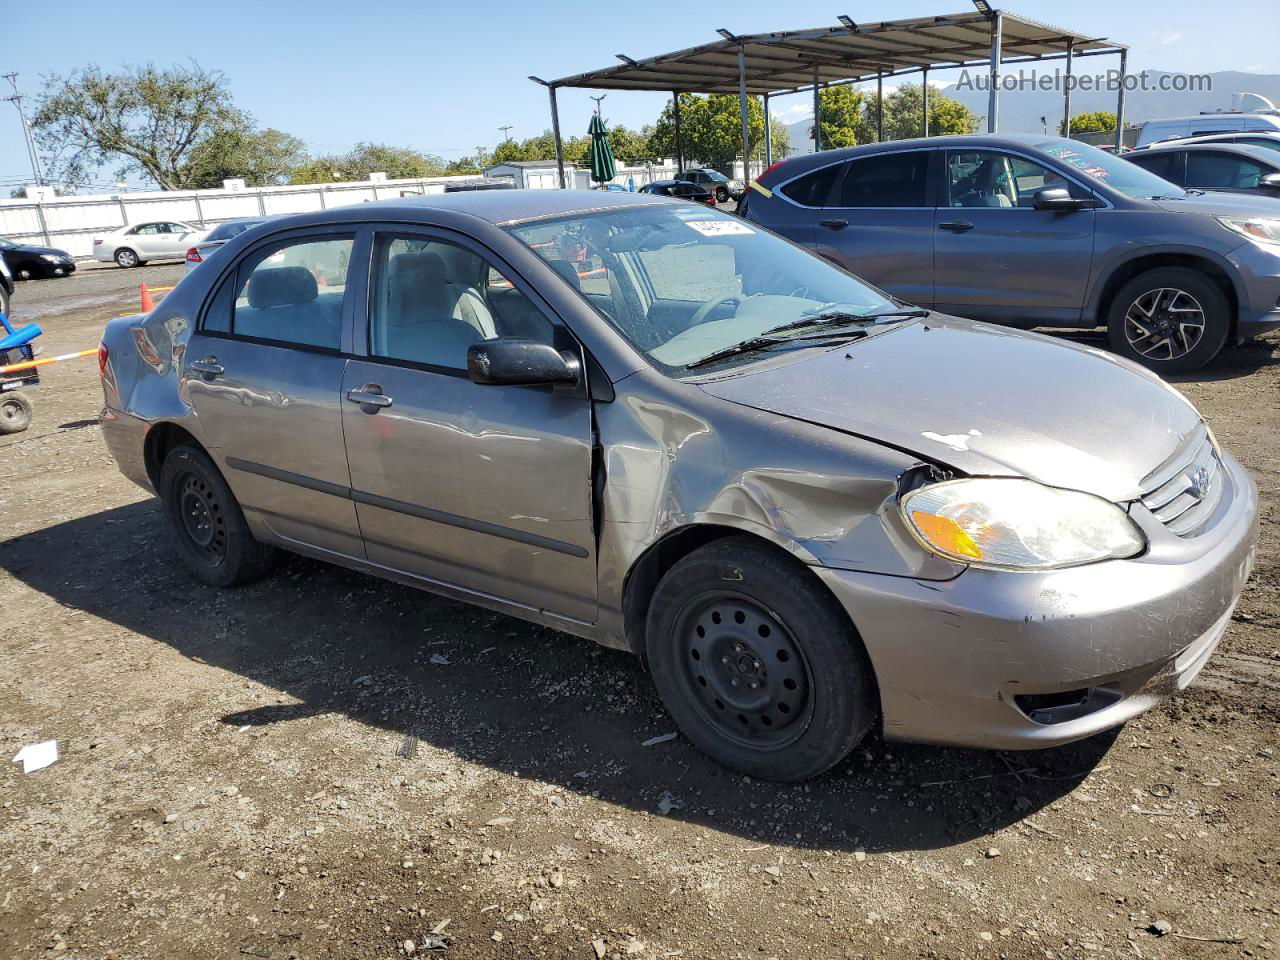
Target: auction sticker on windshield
x,y
720,228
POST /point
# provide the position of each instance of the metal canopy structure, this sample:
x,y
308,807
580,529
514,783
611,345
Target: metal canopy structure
x,y
793,61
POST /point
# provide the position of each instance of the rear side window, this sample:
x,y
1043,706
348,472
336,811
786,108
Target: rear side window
x,y
813,189
292,294
892,180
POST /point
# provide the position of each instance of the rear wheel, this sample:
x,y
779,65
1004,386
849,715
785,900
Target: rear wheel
x,y
1171,320
757,663
208,525
722,195
126,258
15,411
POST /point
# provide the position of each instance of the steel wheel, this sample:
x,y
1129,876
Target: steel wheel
x,y
1164,324
15,413
202,519
746,674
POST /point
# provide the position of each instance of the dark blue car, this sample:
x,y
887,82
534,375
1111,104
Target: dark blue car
x,y
1033,231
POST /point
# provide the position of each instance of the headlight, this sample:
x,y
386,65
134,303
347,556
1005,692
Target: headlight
x,y
1019,524
1255,228
51,257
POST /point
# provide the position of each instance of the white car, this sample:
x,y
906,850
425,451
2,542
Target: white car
x,y
156,240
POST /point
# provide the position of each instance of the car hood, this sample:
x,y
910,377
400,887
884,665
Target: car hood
x,y
1224,205
985,400
36,251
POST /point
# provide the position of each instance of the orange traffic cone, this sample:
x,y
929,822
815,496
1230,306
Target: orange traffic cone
x,y
147,303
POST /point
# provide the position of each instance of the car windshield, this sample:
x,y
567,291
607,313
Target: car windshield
x,y
683,283
6,243
715,175
1116,172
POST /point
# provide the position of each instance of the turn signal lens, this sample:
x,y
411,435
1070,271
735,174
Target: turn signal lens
x,y
1011,524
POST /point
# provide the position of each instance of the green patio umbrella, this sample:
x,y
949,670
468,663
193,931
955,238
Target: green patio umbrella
x,y
603,166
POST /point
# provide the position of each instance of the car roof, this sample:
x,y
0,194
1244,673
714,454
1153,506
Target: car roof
x,y
961,141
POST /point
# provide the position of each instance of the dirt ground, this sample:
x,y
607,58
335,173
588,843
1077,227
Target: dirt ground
x,y
327,765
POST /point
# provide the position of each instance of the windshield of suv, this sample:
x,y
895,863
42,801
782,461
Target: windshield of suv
x,y
683,283
715,175
1116,172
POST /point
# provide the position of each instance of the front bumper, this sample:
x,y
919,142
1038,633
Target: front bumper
x,y
1259,276
1027,660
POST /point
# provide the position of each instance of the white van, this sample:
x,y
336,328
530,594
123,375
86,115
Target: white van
x,y
1172,128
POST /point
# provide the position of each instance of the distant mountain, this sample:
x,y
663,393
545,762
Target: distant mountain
x,y
1021,110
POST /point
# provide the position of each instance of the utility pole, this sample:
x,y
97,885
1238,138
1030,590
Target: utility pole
x,y
505,136
16,100
597,100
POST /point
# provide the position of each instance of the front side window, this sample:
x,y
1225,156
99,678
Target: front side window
x,y
431,300
1222,171
984,178
682,283
891,180
290,294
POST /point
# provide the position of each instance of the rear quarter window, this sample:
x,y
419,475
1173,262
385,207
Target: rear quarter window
x,y
812,189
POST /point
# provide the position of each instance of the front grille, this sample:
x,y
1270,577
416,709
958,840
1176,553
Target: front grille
x,y
1183,491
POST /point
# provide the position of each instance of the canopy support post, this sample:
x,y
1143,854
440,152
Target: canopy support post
x,y
742,103
675,112
768,134
555,133
1066,93
1124,59
817,106
993,97
880,107
924,98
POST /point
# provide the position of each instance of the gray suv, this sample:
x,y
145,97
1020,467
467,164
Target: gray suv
x,y
1038,231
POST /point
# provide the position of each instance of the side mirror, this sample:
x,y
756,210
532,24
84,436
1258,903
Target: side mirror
x,y
511,361
1057,198
1270,181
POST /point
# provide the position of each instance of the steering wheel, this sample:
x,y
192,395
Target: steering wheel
x,y
700,315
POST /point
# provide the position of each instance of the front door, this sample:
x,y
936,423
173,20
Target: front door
x,y
878,223
263,373
995,257
487,488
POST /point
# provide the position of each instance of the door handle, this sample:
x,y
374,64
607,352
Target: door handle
x,y
835,223
370,395
955,226
208,368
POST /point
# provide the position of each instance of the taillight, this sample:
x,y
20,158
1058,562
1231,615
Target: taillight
x,y
102,360
193,256
97,242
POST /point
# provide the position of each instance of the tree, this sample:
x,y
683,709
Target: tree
x,y
710,129
1100,121
903,114
842,113
262,158
398,163
155,121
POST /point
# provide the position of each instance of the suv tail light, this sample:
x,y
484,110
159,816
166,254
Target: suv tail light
x,y
193,256
102,360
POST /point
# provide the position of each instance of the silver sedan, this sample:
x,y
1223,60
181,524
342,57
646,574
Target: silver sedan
x,y
810,508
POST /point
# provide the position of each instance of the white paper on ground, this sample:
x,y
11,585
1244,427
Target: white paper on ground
x,y
37,756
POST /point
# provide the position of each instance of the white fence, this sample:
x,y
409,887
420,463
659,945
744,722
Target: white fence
x,y
72,223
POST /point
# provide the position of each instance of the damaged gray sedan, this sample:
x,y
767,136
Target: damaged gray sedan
x,y
808,507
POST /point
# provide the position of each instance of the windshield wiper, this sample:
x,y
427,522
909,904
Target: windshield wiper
x,y
831,318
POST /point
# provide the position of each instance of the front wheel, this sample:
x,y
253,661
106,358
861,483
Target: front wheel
x,y
722,195
757,663
208,525
1171,320
126,258
15,411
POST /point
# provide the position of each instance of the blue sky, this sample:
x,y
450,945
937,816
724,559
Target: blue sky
x,y
443,77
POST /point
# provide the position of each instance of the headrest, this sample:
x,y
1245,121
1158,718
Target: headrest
x,y
281,286
569,271
429,266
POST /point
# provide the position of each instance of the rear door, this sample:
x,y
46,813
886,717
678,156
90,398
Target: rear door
x,y
485,488
263,373
997,258
146,239
878,223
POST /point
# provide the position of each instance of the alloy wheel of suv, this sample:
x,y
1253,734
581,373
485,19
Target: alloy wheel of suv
x,y
1171,319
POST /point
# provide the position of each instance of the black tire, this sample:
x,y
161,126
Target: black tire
x,y
1172,346
127,258
722,195
208,526
737,612
4,300
15,413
